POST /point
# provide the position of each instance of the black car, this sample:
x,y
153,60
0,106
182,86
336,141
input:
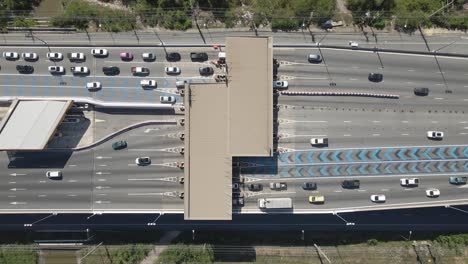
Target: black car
x,y
173,56
375,77
111,70
198,56
255,187
350,184
25,68
309,186
206,70
422,91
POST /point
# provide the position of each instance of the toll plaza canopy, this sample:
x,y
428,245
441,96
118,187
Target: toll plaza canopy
x,y
222,120
28,125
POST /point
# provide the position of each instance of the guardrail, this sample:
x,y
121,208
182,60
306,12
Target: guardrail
x,y
385,96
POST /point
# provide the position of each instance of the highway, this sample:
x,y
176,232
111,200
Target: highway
x,y
377,141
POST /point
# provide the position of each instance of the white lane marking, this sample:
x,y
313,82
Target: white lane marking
x,y
11,196
440,84
102,180
384,190
439,98
18,203
101,157
102,165
347,121
102,202
346,135
375,135
404,134
462,122
18,189
72,181
353,79
102,173
463,133
42,181
101,194
409,82
102,187
42,195
411,70
71,195
337,191
434,122
11,182
465,100
404,121
72,165
17,174
376,121
465,128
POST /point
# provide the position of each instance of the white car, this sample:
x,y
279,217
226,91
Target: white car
x,y
411,182
54,174
143,161
93,85
180,84
432,193
80,70
167,99
378,198
56,69
99,52
172,70
281,85
10,55
54,56
30,56
76,57
319,141
148,83
353,44
148,56
437,135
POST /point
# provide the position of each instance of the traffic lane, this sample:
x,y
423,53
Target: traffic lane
x,y
145,199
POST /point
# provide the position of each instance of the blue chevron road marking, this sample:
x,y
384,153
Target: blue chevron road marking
x,y
322,170
348,155
283,157
413,154
453,167
426,167
297,157
309,156
400,155
336,170
322,158
452,152
298,172
285,173
465,167
374,167
361,155
387,154
465,152
439,153
426,155
375,153
335,156
348,170
361,167
400,168
413,167
387,168
310,171
439,167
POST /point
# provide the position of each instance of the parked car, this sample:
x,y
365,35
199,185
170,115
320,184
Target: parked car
x,y
100,53
435,135
54,175
180,84
309,186
316,199
148,56
25,68
30,56
375,77
119,145
319,142
409,182
206,70
350,184
254,187
80,70
421,91
143,161
378,198
56,69
54,56
280,85
93,85
458,180
167,99
172,70
278,186
173,56
140,71
126,56
76,57
10,55
314,58
432,193
198,56
148,83
111,70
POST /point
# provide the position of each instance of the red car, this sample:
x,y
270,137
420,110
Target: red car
x,y
126,56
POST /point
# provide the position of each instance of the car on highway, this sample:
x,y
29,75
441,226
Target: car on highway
x,y
353,44
277,186
143,161
140,71
255,187
80,70
100,53
350,184
76,56
280,85
93,86
378,198
172,70
54,175
409,182
180,84
432,193
435,135
30,56
167,99
173,56
319,142
110,70
148,84
198,56
25,68
421,91
314,58
8,55
316,199
148,56
375,77
56,69
458,180
206,70
126,56
54,56
309,186
121,144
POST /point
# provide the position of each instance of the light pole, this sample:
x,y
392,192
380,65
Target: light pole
x,y
42,219
340,217
155,220
457,209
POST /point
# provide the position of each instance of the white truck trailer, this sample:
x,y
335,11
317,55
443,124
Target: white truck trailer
x,y
275,203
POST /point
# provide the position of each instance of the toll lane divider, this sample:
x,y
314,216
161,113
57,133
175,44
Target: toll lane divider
x,y
374,95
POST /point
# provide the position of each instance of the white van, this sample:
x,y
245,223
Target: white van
x,y
54,174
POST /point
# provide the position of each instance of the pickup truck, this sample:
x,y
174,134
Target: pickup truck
x,y
76,56
278,185
140,71
458,180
